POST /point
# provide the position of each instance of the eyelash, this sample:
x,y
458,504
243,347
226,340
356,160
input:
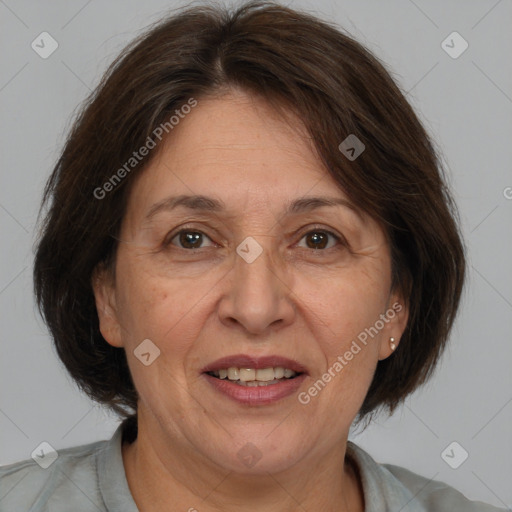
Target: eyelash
x,y
339,239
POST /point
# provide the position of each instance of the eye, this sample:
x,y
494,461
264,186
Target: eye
x,y
188,239
316,239
319,239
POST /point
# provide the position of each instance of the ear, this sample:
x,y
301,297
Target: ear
x,y
395,318
103,286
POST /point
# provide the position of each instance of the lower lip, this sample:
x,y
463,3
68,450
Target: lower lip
x,y
257,395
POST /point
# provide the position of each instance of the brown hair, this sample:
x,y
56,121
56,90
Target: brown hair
x,y
296,62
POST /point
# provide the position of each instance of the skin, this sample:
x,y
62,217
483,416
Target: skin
x,y
198,305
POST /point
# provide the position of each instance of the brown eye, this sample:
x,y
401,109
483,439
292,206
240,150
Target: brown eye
x,y
319,239
189,239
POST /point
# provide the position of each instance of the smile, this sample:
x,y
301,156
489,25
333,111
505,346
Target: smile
x,y
255,380
253,377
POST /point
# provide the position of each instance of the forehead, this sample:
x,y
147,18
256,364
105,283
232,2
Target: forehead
x,y
240,127
240,118
238,148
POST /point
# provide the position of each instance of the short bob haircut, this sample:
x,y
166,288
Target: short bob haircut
x,y
298,64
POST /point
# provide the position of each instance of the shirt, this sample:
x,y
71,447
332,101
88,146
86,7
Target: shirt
x,y
91,478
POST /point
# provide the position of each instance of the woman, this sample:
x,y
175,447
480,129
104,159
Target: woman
x,y
242,256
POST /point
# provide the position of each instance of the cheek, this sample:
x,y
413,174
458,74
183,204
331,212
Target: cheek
x,y
346,303
353,305
167,310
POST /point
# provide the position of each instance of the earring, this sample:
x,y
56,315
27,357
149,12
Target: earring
x,y
392,343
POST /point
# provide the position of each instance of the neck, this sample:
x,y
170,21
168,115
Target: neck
x,y
165,475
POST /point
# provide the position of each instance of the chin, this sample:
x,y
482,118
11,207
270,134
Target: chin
x,y
262,453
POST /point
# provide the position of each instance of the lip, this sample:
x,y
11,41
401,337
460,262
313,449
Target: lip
x,y
258,363
258,395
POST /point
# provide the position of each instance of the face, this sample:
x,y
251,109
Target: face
x,y
257,272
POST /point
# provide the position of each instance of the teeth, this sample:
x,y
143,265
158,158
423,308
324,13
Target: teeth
x,y
254,383
233,374
247,374
265,374
252,377
279,372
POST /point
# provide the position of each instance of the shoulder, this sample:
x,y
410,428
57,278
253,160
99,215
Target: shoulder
x,y
437,495
56,480
390,487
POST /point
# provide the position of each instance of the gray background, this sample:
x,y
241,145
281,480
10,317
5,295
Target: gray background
x,y
466,103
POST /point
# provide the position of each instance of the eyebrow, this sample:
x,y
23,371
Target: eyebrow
x,y
209,204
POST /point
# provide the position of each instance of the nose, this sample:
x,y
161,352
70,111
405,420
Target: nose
x,y
259,296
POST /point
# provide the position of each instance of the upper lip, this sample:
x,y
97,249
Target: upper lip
x,y
247,361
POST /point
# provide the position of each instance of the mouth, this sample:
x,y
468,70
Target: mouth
x,y
255,380
252,377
